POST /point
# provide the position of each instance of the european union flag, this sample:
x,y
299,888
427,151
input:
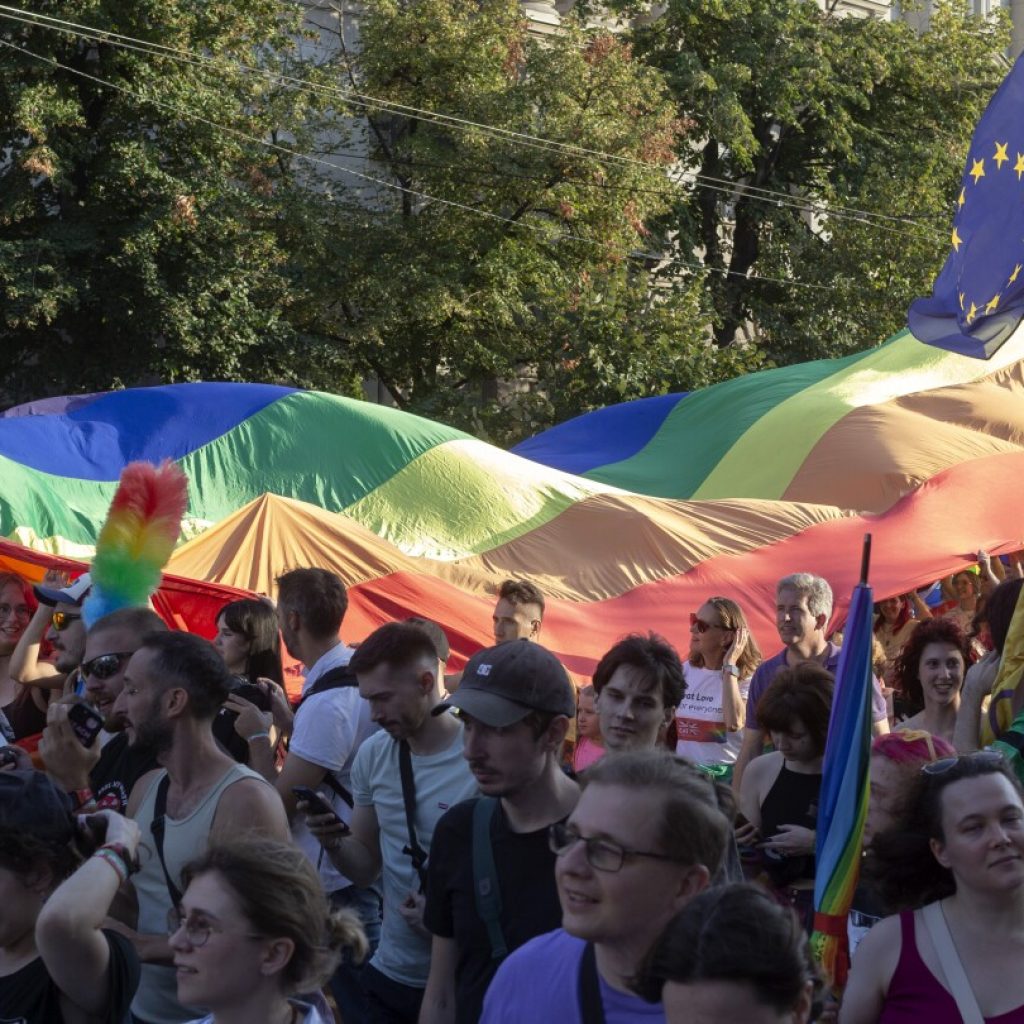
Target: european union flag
x,y
978,298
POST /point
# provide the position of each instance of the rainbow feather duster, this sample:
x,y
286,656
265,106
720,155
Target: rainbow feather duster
x,y
137,538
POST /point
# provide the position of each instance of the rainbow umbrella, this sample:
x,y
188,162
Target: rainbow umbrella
x,y
843,804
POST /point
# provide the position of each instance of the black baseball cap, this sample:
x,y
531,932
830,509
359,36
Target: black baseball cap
x,y
501,685
31,803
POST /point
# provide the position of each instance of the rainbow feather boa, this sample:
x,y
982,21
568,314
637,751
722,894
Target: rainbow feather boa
x,y
137,538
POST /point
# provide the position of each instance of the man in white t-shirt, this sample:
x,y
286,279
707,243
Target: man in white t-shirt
x,y
398,671
331,722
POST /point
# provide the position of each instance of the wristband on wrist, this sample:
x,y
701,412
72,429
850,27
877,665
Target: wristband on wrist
x,y
109,857
121,851
733,670
258,736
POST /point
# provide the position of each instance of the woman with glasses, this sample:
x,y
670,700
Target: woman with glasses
x,y
709,716
779,793
928,677
254,938
953,868
18,705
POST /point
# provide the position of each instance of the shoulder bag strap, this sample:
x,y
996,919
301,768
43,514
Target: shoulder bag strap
x,y
413,851
486,890
591,1004
953,968
157,828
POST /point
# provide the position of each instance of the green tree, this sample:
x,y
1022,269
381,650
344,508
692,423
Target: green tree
x,y
842,113
485,257
140,229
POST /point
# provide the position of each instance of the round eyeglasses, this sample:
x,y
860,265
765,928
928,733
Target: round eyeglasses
x,y
601,854
198,928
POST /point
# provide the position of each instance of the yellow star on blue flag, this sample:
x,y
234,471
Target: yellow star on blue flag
x,y
977,300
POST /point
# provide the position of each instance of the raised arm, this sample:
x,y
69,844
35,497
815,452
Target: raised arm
x,y
68,935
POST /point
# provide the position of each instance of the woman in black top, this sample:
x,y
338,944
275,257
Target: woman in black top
x,y
779,794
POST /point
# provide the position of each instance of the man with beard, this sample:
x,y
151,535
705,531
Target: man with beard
x,y
174,684
102,775
515,703
403,779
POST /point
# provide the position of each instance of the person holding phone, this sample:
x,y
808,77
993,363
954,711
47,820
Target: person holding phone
x,y
58,964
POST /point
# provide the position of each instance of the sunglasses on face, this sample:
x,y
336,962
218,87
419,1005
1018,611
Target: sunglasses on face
x,y
105,665
701,626
61,620
989,758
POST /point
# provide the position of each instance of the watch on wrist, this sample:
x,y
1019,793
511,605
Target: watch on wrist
x,y
733,670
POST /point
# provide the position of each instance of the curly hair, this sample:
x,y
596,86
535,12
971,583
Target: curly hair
x,y
801,694
931,631
899,864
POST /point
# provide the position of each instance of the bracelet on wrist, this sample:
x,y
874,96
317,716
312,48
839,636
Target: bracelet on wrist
x,y
121,851
114,861
258,736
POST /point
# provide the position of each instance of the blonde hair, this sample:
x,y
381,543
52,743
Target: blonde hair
x,y
733,618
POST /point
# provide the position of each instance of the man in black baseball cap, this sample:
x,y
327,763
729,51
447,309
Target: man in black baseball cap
x,y
491,880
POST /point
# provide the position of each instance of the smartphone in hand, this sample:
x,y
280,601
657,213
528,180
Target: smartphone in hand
x,y
316,802
86,723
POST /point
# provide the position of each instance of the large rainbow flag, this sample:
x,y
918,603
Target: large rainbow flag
x,y
628,518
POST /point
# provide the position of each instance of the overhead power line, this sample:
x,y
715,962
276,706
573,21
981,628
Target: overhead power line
x,y
723,186
477,211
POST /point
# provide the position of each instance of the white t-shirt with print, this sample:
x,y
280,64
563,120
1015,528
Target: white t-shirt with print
x,y
700,723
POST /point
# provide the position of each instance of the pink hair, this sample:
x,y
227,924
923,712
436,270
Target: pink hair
x,y
912,746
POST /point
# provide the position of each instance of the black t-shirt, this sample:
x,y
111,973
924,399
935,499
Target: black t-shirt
x,y
120,766
29,996
525,867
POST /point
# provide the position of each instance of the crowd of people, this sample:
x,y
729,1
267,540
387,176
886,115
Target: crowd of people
x,y
180,842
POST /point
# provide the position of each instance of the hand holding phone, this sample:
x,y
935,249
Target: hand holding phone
x,y
86,723
315,802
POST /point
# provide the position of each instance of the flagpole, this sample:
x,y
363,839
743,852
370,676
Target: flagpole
x,y
865,560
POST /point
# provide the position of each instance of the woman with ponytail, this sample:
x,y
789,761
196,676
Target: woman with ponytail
x,y
254,938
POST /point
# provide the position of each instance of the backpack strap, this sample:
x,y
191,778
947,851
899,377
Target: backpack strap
x,y
413,851
486,890
589,988
956,977
334,679
156,827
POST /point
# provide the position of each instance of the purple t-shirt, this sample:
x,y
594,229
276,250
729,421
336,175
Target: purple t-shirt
x,y
539,982
768,670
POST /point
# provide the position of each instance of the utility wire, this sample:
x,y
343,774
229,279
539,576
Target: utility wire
x,y
660,258
710,182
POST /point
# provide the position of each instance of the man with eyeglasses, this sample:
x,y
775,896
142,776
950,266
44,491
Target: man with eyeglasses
x,y
646,837
103,773
515,703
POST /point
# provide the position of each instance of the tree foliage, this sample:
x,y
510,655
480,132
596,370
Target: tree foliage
x,y
793,104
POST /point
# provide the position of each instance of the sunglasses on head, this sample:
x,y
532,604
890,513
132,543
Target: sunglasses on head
x,y
105,665
61,620
702,626
989,758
